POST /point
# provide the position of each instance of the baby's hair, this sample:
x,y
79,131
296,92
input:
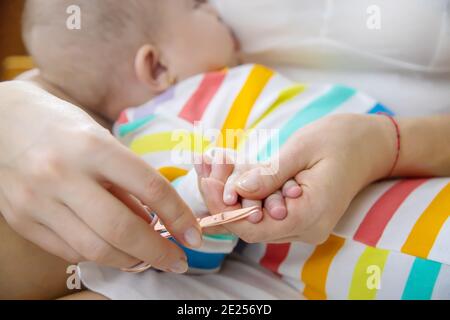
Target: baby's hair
x,y
86,59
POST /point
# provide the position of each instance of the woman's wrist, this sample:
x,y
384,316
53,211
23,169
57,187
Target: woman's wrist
x,y
381,144
410,147
425,147
398,136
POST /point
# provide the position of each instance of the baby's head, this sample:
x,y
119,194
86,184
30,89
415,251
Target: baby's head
x,y
125,52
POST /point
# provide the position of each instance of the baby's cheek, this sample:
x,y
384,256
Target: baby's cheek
x,y
220,49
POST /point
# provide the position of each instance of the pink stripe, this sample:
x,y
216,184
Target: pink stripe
x,y
274,256
376,220
123,119
195,108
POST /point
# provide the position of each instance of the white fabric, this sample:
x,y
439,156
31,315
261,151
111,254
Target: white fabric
x,y
405,64
236,280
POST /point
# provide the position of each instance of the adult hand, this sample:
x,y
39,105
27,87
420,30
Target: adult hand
x,y
219,165
65,184
332,160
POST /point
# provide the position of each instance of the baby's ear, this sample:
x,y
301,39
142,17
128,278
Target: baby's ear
x,y
151,71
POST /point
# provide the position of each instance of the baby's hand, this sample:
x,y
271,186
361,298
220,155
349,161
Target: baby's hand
x,y
216,181
274,205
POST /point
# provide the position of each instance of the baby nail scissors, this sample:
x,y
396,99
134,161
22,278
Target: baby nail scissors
x,y
207,222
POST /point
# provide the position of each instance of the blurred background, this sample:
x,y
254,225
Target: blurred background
x,y
12,51
405,63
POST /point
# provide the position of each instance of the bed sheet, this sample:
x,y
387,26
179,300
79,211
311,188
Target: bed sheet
x,y
238,280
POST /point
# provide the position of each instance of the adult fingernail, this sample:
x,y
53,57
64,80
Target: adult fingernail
x,y
249,183
179,266
193,237
230,199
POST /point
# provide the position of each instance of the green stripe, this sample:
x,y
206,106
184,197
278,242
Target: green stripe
x,y
229,237
285,96
135,125
334,98
421,280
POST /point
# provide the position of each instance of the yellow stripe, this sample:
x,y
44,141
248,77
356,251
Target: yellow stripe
x,y
424,233
285,96
169,141
172,173
242,106
315,270
368,271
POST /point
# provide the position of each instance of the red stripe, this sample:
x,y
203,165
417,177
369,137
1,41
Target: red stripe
x,y
123,119
274,256
376,220
195,108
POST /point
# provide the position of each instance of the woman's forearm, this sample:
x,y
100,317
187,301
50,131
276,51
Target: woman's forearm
x,y
425,147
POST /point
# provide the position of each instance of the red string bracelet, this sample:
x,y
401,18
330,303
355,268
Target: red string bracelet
x,y
397,130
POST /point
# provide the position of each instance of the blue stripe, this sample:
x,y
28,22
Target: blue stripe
x,y
202,260
335,97
421,280
379,108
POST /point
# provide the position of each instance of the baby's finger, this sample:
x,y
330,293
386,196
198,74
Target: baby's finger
x,y
276,206
292,189
222,166
202,165
230,194
256,217
198,166
214,199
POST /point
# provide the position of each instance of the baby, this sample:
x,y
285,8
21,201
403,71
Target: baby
x,y
149,54
168,70
127,53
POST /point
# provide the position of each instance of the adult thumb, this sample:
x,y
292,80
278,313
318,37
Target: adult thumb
x,y
262,181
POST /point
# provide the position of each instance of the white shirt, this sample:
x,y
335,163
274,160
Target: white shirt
x,y
405,63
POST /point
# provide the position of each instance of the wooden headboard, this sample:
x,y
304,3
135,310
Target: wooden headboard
x,y
10,38
14,66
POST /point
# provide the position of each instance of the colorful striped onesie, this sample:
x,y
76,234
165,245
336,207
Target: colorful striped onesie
x,y
394,241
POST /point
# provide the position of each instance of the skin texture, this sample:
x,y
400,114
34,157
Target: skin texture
x,y
90,216
85,295
221,168
191,40
332,164
26,271
177,39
